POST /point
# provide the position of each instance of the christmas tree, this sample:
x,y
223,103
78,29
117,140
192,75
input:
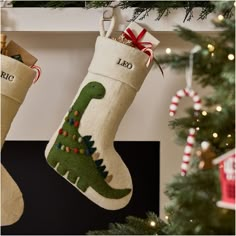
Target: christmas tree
x,y
192,207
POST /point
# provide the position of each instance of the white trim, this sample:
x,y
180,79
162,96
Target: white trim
x,y
223,157
226,205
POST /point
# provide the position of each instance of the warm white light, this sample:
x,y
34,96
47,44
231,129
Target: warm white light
x,y
198,120
211,48
215,135
191,221
168,51
153,223
219,108
229,136
231,57
212,54
220,17
167,217
235,4
204,113
227,144
197,128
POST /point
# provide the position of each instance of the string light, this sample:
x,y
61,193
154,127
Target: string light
x,y
219,108
204,113
211,48
191,221
235,4
168,51
212,54
227,144
229,136
197,128
220,17
153,223
231,57
215,135
167,217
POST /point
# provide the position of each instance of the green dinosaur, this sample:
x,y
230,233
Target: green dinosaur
x,y
74,156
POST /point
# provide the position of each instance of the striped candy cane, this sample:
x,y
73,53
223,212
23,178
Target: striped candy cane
x,y
191,136
183,93
187,151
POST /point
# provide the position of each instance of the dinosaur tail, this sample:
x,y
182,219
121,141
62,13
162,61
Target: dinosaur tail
x,y
104,189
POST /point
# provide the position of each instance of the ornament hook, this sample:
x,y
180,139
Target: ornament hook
x,y
189,70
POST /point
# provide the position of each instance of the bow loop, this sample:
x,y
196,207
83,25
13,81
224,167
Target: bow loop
x,y
137,40
146,47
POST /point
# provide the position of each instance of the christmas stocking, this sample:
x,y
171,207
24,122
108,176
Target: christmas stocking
x,y
81,150
16,79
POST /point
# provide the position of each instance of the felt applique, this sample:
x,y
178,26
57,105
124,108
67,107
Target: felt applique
x,y
74,156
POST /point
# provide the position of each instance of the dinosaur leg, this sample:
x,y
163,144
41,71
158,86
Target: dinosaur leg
x,y
84,139
82,185
13,92
72,177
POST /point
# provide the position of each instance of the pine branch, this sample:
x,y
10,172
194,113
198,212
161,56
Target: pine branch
x,y
135,226
141,8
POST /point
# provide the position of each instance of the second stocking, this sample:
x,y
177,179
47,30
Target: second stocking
x,y
16,79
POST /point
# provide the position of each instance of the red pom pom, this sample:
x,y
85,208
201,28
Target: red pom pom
x,y
76,124
60,131
76,150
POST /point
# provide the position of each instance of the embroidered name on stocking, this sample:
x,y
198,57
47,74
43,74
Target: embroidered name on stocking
x,y
7,76
125,64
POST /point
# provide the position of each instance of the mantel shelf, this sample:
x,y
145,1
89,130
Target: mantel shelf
x,y
86,20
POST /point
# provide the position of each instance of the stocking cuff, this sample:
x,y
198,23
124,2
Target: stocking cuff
x,y
120,62
16,78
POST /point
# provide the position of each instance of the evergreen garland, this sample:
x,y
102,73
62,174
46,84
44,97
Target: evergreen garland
x,y
141,8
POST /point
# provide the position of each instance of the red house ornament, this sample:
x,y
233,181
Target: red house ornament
x,y
226,164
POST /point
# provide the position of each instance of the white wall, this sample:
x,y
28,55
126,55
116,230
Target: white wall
x,y
64,59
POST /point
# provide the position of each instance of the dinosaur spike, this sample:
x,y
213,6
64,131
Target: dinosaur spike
x,y
101,168
90,144
92,150
109,178
95,156
87,138
104,174
99,162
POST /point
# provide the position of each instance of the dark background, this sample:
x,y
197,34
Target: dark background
x,y
53,206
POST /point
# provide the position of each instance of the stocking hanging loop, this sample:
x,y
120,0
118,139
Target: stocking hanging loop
x,y
108,15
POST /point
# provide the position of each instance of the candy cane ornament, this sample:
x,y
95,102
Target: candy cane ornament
x,y
191,136
182,93
187,151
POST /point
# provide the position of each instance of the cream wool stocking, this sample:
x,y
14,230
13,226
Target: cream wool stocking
x,y
16,78
82,150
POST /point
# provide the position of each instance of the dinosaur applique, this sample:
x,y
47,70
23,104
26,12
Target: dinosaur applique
x,y
75,157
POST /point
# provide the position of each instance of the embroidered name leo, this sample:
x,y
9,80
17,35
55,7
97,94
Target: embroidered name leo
x,y
124,63
7,76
